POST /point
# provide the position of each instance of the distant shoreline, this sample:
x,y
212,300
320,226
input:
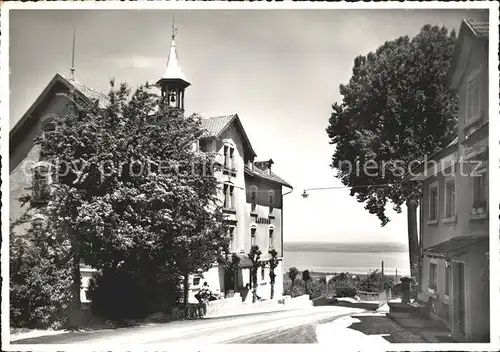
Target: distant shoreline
x,y
325,247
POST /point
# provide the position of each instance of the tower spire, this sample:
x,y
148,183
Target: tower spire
x,y
72,68
173,83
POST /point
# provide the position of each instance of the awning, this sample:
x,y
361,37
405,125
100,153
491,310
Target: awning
x,y
454,247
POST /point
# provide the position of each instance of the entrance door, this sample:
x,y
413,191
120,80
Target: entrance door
x,y
459,298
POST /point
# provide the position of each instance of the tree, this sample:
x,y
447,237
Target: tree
x,y
254,256
273,264
306,277
396,110
292,274
40,278
231,263
131,189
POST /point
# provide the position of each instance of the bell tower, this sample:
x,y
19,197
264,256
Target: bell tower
x,y
173,83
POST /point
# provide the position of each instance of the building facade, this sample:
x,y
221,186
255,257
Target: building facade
x,y
251,193
454,207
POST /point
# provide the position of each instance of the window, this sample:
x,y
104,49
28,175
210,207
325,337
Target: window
x,y
253,239
230,231
432,277
196,281
450,198
262,273
447,279
228,196
48,123
253,199
479,192
41,180
271,202
433,202
473,103
228,157
271,238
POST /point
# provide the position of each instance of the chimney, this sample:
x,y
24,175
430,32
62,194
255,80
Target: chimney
x,y
269,165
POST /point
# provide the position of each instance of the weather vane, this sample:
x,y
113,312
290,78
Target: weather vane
x,y
174,28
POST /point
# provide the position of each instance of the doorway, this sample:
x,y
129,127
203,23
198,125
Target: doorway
x,y
459,295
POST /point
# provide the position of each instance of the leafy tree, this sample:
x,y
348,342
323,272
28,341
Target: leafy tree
x,y
292,274
396,109
273,264
306,277
130,189
254,256
40,277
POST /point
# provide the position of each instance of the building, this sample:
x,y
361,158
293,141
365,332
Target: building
x,y
252,193
454,223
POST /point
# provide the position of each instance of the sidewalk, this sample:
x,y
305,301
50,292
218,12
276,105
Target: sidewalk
x,y
427,329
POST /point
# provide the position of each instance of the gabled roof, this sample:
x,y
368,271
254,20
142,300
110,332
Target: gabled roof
x,y
256,172
215,126
478,30
85,92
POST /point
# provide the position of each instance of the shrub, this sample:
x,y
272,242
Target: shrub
x,y
124,293
373,282
40,279
345,291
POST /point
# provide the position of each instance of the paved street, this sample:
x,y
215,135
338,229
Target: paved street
x,y
312,325
240,329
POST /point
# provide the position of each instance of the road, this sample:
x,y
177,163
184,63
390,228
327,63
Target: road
x,y
295,326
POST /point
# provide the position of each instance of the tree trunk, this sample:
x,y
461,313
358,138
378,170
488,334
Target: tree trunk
x,y
413,237
186,288
254,293
291,293
272,290
76,314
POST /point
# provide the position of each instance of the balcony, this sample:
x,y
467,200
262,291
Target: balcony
x,y
227,170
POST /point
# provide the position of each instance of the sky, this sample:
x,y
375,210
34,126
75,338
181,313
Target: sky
x,y
279,70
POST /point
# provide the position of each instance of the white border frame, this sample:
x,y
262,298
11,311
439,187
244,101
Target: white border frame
x,y
493,155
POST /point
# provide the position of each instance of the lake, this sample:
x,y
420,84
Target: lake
x,y
353,262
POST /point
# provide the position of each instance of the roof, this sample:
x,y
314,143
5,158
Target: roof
x,y
88,92
215,126
173,70
454,247
85,92
479,28
264,175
